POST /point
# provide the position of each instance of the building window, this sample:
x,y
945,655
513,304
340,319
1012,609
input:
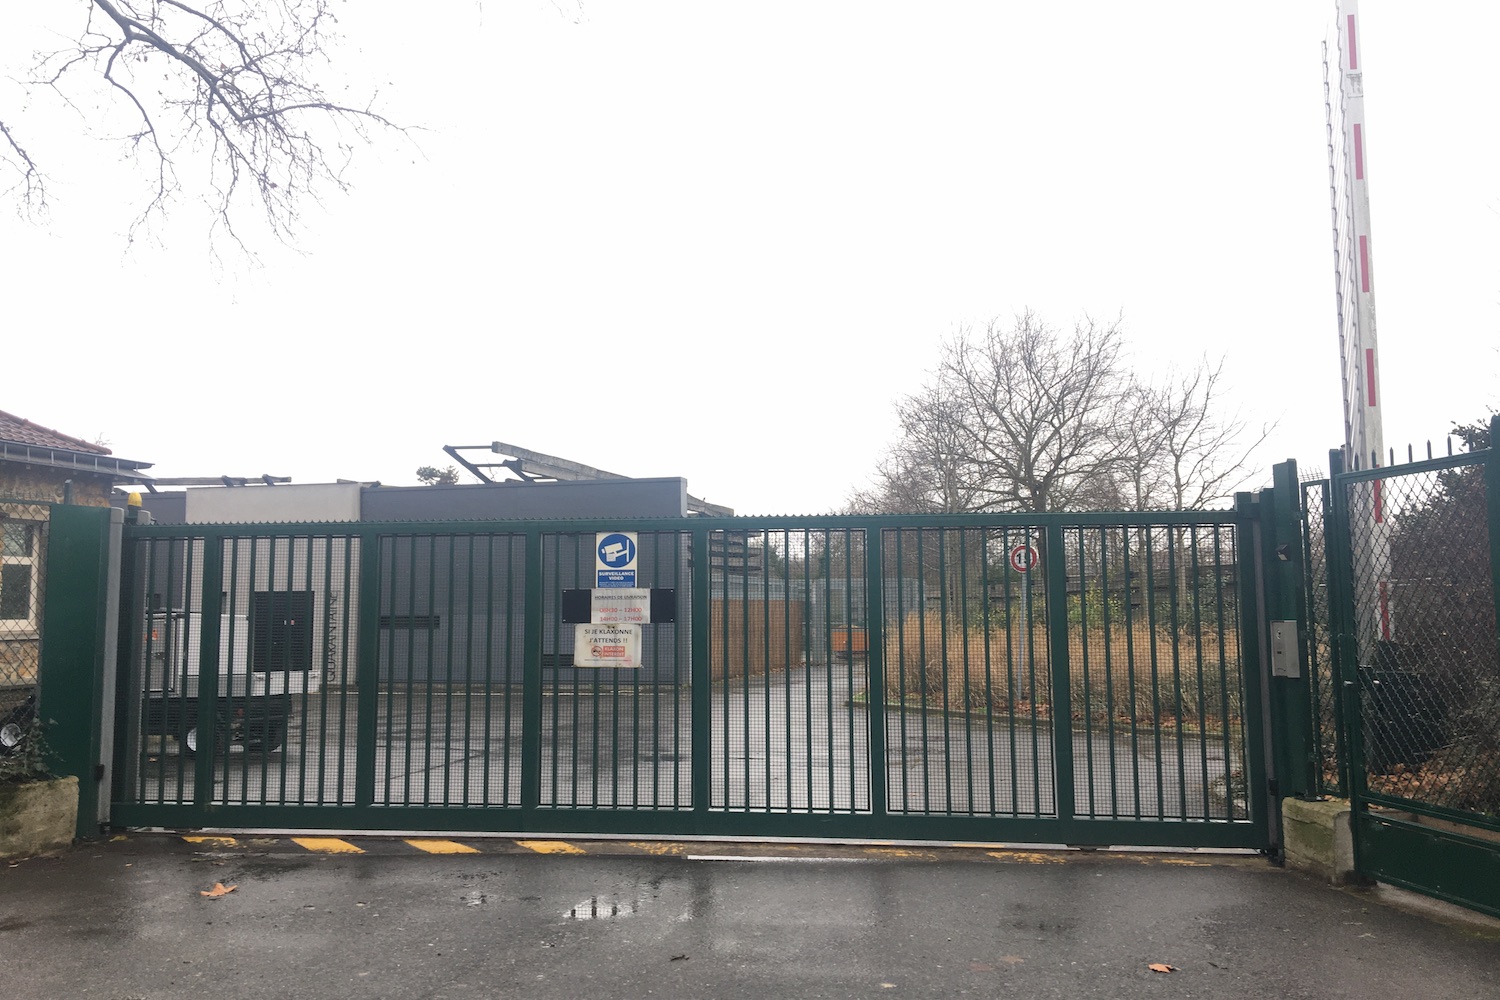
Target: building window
x,y
19,579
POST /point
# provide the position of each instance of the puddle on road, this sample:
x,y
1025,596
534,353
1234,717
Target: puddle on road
x,y
604,908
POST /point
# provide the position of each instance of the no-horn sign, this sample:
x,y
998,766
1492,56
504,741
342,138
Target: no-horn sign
x,y
1022,558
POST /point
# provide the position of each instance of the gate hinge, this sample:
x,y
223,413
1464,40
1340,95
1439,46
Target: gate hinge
x,y
1273,787
98,772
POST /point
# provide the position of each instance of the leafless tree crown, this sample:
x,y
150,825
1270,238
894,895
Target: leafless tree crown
x,y
1027,418
232,90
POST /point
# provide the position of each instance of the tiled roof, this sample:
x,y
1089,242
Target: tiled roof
x,y
21,431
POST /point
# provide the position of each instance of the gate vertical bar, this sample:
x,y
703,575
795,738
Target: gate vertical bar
x,y
875,667
1341,628
531,681
1492,503
699,674
211,610
367,670
1252,668
1056,561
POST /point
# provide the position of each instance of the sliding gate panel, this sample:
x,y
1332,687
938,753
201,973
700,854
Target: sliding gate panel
x,y
787,647
1156,692
237,671
617,738
1044,678
448,710
967,684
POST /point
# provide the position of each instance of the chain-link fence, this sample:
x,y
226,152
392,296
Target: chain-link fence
x,y
23,559
1323,686
1424,628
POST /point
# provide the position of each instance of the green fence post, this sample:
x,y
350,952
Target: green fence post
x,y
875,667
213,728
701,676
1055,559
1341,628
71,672
1492,502
531,681
1248,536
1296,752
367,670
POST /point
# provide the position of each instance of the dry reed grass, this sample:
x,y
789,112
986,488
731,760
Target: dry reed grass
x,y
1145,676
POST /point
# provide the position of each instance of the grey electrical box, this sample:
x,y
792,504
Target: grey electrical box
x,y
1284,659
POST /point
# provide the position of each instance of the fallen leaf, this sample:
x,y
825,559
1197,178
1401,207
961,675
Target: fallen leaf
x,y
1012,959
219,889
887,986
981,967
1162,967
679,958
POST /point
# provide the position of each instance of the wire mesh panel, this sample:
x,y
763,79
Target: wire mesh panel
x,y
1156,691
1425,636
787,648
968,694
452,611
617,737
1323,686
23,562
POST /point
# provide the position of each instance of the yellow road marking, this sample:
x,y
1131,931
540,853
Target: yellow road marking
x,y
327,845
659,849
1027,857
443,847
901,852
550,847
215,841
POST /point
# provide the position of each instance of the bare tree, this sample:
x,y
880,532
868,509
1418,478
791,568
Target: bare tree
x,y
233,90
1186,450
929,470
1018,419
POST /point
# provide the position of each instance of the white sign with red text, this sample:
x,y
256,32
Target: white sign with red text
x,y
615,647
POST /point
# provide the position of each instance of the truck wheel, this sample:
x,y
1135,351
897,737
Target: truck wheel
x,y
189,739
269,740
11,735
13,726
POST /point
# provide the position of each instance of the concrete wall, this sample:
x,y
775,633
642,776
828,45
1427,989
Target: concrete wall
x,y
268,504
519,501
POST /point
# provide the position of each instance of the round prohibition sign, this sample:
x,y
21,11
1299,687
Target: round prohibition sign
x,y
1023,557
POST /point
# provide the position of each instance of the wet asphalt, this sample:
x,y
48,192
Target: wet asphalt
x,y
127,920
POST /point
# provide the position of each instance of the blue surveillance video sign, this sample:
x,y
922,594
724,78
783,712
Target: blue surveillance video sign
x,y
615,553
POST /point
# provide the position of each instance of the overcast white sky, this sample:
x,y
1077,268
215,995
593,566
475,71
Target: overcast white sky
x,y
718,240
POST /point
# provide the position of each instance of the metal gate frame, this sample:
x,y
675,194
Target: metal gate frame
x,y
1061,537
1406,836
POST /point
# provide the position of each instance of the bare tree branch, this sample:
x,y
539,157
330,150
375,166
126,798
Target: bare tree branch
x,y
233,87
30,183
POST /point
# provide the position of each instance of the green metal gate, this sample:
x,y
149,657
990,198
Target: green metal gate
x,y
1413,553
1077,679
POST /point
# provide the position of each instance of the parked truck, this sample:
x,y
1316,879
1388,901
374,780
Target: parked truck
x,y
264,676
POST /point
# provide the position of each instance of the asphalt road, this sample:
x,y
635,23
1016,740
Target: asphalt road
x,y
127,921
